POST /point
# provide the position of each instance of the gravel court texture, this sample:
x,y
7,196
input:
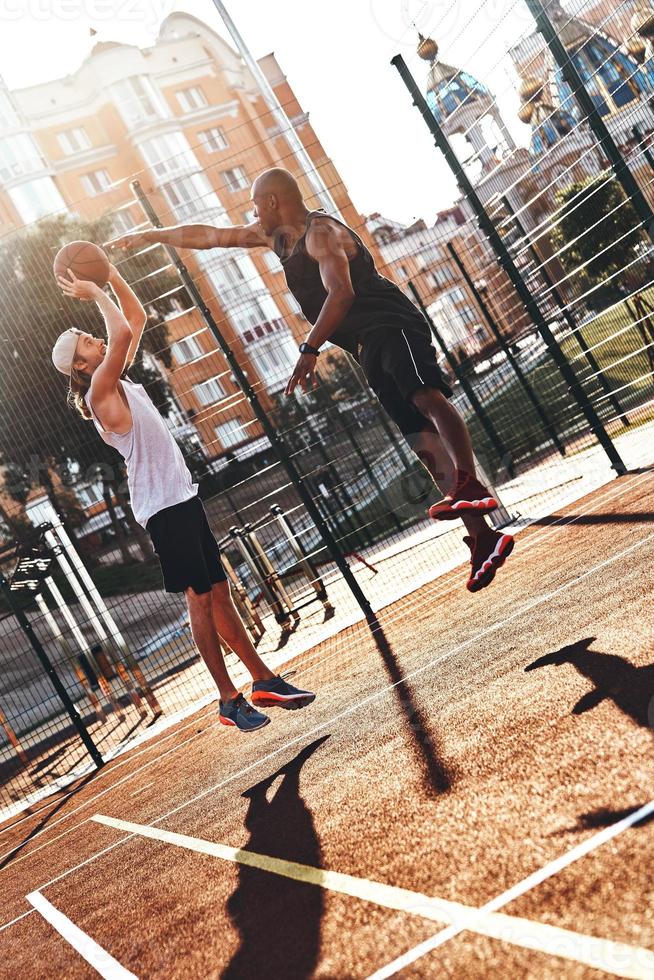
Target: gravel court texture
x,y
502,737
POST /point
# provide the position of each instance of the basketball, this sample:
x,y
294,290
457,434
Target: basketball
x,y
85,259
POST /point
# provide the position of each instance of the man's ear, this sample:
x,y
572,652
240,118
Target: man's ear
x,y
79,364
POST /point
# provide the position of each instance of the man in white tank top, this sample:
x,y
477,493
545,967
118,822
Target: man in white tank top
x,y
163,496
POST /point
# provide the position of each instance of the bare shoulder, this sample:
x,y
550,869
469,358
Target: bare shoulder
x,y
327,235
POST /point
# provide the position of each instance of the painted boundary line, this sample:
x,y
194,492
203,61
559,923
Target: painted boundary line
x,y
539,537
470,921
88,949
634,963
370,698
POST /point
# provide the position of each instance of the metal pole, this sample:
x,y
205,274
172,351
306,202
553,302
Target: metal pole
x,y
274,601
303,561
307,165
468,390
107,618
646,151
271,433
499,336
569,318
495,240
590,111
44,660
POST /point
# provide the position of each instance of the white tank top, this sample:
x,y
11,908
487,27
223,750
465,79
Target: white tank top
x,y
157,475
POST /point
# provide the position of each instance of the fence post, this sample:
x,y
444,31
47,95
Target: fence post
x,y
495,240
272,435
44,660
499,336
590,111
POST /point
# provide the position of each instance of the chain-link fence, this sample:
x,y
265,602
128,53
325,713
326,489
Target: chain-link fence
x,y
537,284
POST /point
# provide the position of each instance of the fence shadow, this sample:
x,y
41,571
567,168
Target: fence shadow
x,y
278,918
436,776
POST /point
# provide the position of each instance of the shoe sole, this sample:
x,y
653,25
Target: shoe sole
x,y
485,506
246,731
290,702
496,562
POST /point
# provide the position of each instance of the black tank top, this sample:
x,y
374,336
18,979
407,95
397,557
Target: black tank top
x,y
378,302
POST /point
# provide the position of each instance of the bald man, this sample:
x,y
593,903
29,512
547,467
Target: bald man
x,y
333,277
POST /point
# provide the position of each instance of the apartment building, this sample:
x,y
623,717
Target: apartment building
x,y
186,119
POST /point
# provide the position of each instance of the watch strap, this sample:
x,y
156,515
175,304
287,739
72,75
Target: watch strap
x,y
308,349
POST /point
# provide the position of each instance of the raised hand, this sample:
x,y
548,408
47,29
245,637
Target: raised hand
x,y
82,289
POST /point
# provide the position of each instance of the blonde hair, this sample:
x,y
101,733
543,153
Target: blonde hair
x,y
80,382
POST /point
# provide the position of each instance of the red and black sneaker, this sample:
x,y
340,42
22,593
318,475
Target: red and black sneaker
x,y
468,496
489,551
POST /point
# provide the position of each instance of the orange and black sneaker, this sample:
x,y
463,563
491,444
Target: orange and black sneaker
x,y
468,496
489,551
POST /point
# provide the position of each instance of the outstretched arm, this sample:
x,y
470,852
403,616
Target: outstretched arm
x,y
132,310
196,236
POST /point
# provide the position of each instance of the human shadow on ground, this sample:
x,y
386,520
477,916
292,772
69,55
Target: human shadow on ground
x,y
436,776
278,918
614,679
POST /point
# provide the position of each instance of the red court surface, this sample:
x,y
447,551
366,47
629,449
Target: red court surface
x,y
470,796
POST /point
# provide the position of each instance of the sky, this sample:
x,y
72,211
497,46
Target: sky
x,y
336,56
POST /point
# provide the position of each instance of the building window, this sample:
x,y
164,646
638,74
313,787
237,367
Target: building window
x,y
467,314
232,432
96,182
169,154
139,101
248,217
272,261
89,495
403,272
209,392
122,222
212,140
8,115
192,196
293,304
191,99
235,179
36,199
456,295
19,155
74,140
441,277
187,349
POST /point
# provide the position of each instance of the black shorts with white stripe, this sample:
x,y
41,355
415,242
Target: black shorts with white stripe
x,y
398,361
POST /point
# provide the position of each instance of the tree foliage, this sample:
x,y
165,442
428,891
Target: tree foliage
x,y
598,233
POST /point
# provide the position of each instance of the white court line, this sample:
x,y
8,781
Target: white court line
x,y
535,539
371,697
470,920
602,954
88,949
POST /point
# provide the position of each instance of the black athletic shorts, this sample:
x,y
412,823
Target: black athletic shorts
x,y
187,550
398,361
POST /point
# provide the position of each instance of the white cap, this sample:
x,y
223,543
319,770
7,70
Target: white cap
x,y
63,352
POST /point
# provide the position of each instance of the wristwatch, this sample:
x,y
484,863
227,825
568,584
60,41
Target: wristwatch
x,y
308,349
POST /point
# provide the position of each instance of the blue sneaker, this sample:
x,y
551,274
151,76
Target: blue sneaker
x,y
278,693
237,713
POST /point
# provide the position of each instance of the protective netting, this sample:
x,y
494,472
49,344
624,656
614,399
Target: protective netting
x,y
337,483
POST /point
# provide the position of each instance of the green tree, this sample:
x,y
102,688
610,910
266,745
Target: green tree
x,y
39,433
598,233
